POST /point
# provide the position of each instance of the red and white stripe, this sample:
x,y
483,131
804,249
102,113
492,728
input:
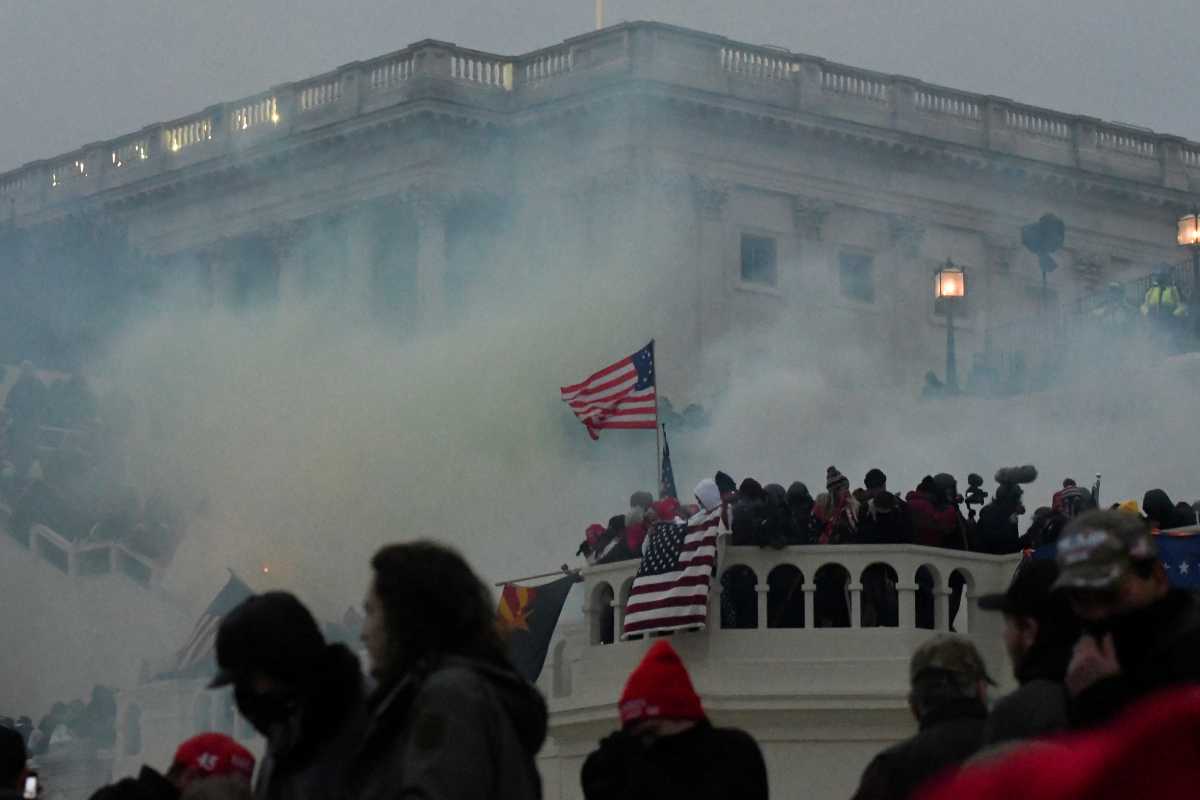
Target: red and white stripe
x,y
677,599
608,399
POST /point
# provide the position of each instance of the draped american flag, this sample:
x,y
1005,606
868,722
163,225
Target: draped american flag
x,y
622,395
670,591
198,654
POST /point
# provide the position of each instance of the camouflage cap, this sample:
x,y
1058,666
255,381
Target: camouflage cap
x,y
947,652
1099,549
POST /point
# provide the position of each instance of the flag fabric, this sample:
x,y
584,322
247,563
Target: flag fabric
x,y
670,590
622,395
198,656
666,481
528,616
1178,549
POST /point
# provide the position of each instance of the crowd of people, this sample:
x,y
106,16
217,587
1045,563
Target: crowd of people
x,y
62,466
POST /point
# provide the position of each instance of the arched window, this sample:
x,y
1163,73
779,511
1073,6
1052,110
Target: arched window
x,y
962,603
831,602
132,730
739,602
785,598
880,600
561,676
928,579
603,622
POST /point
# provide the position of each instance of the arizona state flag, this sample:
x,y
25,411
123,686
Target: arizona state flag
x,y
528,616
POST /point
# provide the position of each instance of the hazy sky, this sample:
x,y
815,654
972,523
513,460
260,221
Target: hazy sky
x,y
78,71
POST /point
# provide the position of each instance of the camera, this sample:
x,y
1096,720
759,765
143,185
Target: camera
x,y
975,495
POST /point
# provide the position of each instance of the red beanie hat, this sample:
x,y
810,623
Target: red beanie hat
x,y
660,689
215,754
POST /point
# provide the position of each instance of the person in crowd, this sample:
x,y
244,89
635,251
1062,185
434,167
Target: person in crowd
x,y
1116,313
640,501
936,520
227,788
14,764
613,545
1163,303
1164,514
948,697
836,510
666,747
883,517
593,546
451,719
1140,635
801,528
726,485
748,514
1044,529
1040,631
997,531
305,696
202,759
776,518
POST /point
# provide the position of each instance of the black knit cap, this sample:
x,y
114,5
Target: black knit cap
x,y
271,632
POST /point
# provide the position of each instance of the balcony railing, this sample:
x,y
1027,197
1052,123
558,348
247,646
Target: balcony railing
x,y
821,588
790,83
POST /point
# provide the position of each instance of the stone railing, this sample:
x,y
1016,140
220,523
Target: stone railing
x,y
781,83
81,559
921,576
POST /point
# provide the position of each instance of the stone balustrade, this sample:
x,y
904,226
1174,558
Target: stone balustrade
x,y
781,83
83,559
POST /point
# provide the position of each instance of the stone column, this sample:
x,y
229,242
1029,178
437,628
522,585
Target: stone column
x,y
906,597
431,209
810,604
941,608
710,196
763,607
285,243
855,590
618,618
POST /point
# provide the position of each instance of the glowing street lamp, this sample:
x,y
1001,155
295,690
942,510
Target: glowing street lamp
x,y
950,289
1189,237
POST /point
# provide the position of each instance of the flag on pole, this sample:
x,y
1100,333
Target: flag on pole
x,y
197,657
666,480
528,616
670,591
622,395
1178,550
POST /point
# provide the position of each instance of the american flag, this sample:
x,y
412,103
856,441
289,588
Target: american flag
x,y
198,655
670,590
622,395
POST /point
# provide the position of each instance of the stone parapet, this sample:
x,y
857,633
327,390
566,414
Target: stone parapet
x,y
494,88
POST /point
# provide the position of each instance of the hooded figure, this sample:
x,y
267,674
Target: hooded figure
x,y
800,514
1163,513
667,748
748,514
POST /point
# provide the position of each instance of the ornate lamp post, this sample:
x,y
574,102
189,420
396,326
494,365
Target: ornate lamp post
x,y
950,289
1189,237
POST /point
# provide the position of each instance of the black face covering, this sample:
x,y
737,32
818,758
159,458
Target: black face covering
x,y
265,710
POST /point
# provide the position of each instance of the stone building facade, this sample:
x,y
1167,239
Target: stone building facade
x,y
750,181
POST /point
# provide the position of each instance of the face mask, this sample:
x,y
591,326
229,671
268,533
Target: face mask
x,y
265,710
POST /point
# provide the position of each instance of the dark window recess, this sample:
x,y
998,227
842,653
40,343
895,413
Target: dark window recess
x,y
856,274
758,260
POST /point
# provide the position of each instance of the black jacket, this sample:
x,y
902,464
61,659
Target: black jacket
x,y
997,531
1158,646
148,785
948,736
457,730
1040,706
703,763
306,758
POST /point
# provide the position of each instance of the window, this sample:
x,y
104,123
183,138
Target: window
x,y
758,260
856,275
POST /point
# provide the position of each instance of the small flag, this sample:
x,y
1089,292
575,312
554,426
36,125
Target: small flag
x,y
670,591
1178,549
622,395
198,656
666,481
528,616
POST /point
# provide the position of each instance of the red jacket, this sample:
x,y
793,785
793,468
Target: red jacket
x,y
1152,751
933,525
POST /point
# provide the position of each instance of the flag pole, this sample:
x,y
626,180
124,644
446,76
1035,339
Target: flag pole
x,y
657,424
599,14
563,570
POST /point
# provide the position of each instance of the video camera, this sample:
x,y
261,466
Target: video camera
x,y
975,495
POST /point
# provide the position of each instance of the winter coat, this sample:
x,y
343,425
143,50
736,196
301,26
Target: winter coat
x,y
702,763
1040,706
948,736
148,785
746,521
997,532
883,519
306,757
459,730
1164,514
1157,646
935,524
837,521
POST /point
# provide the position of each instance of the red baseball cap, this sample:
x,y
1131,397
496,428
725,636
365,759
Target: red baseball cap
x,y
215,754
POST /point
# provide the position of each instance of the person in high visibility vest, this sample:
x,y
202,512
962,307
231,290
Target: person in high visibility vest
x,y
1163,298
